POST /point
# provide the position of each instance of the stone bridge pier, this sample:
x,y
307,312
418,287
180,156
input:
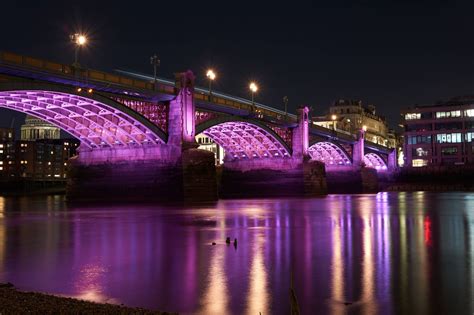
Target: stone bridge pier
x,y
283,176
171,171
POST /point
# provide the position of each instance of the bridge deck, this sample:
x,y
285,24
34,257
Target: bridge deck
x,y
142,87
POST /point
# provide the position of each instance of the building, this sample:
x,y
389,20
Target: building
x,y
439,134
35,128
35,158
349,116
206,143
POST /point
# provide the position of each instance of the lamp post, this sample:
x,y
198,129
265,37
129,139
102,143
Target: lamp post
x,y
78,40
285,101
155,62
253,88
211,75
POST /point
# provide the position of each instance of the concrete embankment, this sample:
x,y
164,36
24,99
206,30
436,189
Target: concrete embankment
x,y
441,178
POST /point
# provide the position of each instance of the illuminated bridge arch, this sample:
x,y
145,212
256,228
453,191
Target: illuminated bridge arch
x,y
244,139
95,120
329,153
374,161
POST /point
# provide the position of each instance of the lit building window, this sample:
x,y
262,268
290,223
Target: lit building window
x,y
420,152
1,145
419,163
449,151
453,113
469,136
1,162
411,116
1,168
449,138
469,113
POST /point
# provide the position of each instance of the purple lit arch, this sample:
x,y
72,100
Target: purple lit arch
x,y
244,139
329,153
95,120
374,161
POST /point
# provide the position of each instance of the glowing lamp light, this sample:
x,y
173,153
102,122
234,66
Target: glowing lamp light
x,y
89,91
211,74
79,90
364,127
79,39
253,87
333,117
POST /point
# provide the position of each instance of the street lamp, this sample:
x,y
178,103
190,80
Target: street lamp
x,y
78,40
253,88
155,62
364,127
285,101
211,75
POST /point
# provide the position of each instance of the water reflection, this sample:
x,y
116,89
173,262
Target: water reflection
x,y
387,253
258,297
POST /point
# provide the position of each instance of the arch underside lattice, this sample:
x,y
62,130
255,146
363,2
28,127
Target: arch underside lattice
x,y
94,123
375,161
329,154
244,140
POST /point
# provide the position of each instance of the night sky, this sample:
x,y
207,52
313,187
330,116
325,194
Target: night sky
x,y
392,55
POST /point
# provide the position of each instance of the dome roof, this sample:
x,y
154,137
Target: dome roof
x,y
31,120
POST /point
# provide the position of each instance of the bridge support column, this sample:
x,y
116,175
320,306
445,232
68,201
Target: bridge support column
x,y
300,141
355,179
392,161
358,150
174,171
293,176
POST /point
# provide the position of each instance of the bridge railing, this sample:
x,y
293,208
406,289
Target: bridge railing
x,y
84,75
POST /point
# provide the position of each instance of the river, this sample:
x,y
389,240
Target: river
x,y
389,253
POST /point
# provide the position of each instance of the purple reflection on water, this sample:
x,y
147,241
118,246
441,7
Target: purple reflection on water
x,y
385,253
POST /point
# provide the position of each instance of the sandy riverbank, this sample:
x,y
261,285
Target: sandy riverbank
x,y
13,301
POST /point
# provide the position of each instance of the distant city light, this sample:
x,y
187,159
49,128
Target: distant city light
x,y
333,117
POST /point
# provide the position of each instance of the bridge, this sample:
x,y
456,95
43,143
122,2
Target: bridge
x,y
138,135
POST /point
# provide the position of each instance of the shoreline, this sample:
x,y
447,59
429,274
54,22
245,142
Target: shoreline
x,y
13,301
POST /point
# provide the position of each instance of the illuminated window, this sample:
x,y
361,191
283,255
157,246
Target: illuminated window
x,y
469,136
449,151
469,113
49,163
449,138
1,168
419,163
450,114
1,145
1,162
411,116
420,152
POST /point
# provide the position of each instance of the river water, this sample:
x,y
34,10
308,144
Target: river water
x,y
389,253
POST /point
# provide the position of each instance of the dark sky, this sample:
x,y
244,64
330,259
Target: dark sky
x,y
390,54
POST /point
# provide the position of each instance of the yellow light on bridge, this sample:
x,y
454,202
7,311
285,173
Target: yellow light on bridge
x,y
81,39
211,74
253,87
